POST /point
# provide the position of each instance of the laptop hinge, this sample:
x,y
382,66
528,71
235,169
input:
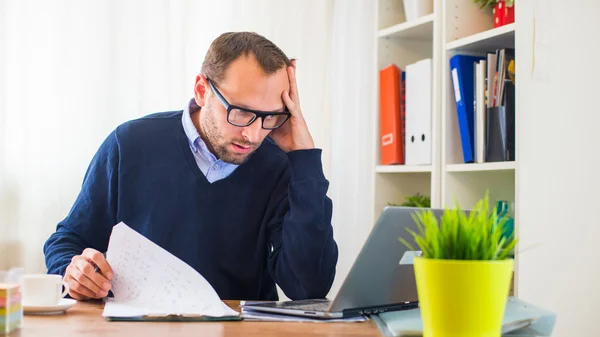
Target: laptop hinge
x,y
379,309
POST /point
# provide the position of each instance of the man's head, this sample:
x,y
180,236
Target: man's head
x,y
248,71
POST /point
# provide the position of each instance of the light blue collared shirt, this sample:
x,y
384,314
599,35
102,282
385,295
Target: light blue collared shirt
x,y
213,169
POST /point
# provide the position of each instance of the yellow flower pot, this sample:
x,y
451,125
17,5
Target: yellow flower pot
x,y
462,298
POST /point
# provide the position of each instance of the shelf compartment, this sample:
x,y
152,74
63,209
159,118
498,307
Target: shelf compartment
x,y
489,40
419,29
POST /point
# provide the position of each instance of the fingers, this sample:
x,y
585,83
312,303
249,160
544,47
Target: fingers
x,y
90,278
77,289
98,259
84,282
77,296
291,105
293,85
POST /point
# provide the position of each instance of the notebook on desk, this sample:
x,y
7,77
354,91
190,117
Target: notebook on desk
x,y
151,284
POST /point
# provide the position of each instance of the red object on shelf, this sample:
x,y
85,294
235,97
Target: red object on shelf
x,y
503,15
391,118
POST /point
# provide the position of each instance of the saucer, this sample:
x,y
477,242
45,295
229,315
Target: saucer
x,y
60,307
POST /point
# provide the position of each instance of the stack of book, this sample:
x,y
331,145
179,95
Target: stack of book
x,y
484,90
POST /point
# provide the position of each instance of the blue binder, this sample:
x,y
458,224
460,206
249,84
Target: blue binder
x,y
462,71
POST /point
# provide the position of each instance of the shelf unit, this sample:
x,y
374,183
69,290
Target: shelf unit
x,y
403,42
469,30
455,26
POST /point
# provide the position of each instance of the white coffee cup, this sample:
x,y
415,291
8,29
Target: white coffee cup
x,y
43,289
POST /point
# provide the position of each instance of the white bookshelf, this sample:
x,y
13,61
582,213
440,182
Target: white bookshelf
x,y
403,42
456,26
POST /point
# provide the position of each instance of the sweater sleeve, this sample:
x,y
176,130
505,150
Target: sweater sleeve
x,y
303,254
93,214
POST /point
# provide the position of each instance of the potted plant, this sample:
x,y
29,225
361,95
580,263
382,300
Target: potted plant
x,y
463,275
504,10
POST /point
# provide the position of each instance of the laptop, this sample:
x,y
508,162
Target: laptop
x,y
381,278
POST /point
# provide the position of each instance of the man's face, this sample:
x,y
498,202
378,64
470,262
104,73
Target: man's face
x,y
244,85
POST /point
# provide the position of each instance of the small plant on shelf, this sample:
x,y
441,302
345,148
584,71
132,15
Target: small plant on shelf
x,y
417,200
493,3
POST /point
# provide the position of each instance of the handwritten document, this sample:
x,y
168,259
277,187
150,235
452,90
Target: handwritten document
x,y
150,281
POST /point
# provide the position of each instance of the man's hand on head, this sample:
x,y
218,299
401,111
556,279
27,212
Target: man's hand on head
x,y
294,134
85,281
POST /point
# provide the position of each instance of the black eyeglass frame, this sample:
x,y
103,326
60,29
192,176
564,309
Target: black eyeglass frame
x,y
257,113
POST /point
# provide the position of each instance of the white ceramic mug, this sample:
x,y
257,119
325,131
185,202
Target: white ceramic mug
x,y
43,289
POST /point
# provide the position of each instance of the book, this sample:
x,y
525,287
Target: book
x,y
151,284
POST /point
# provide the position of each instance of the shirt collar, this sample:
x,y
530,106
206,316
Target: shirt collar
x,y
191,132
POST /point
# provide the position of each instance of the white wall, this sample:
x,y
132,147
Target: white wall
x,y
559,166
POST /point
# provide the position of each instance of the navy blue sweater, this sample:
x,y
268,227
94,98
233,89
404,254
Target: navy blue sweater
x,y
268,222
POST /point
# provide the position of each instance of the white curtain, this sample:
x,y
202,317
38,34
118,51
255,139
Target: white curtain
x,y
72,70
353,102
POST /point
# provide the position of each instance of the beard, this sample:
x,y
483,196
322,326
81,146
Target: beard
x,y
217,143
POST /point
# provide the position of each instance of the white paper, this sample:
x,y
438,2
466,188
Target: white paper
x,y
149,280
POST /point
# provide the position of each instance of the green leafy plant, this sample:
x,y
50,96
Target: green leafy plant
x,y
417,200
477,235
492,3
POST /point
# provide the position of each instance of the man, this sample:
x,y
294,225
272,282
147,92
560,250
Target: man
x,y
232,185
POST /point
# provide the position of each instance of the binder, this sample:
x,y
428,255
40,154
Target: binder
x,y
463,82
390,119
418,112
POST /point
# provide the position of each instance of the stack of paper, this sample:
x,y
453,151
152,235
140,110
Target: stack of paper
x,y
151,283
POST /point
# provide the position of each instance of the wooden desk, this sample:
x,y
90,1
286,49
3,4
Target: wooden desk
x,y
85,319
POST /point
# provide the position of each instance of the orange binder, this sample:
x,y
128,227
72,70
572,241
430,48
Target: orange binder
x,y
390,120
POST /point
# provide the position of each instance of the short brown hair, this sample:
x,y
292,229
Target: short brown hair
x,y
229,46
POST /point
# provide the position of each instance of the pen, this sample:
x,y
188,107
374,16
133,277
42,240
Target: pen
x,y
96,268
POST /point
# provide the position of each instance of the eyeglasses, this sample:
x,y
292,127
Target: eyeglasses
x,y
242,117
